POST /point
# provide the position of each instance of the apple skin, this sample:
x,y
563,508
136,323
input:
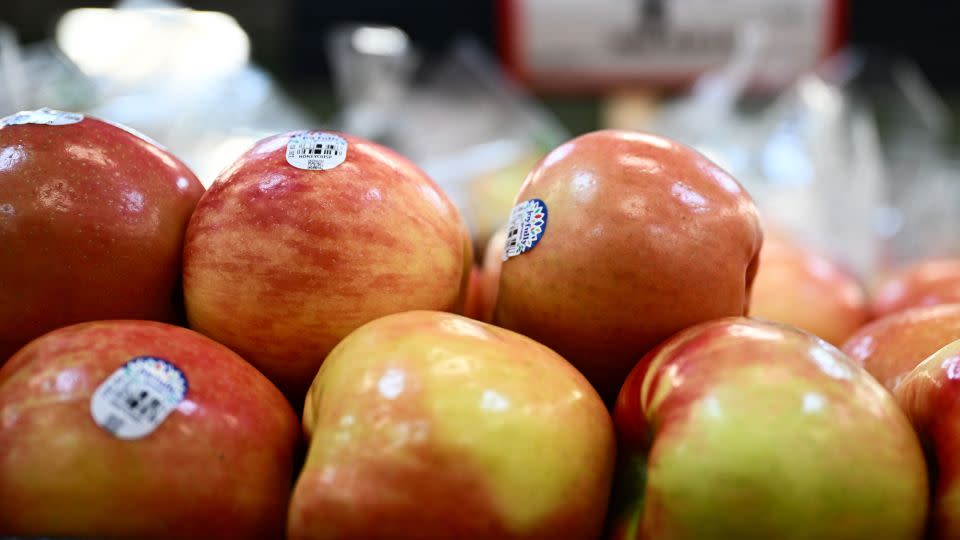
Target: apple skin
x,y
925,283
800,287
92,219
930,396
890,347
220,466
281,263
431,425
645,237
738,428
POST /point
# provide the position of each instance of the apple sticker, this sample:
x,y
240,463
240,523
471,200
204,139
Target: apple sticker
x,y
528,223
138,397
316,150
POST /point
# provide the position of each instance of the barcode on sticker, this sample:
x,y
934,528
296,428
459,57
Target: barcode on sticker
x,y
528,223
316,150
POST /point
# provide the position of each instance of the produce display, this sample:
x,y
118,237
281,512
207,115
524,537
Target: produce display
x,y
315,347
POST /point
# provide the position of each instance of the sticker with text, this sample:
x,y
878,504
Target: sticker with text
x,y
316,150
138,397
528,222
44,116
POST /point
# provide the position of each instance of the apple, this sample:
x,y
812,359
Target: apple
x,y
798,286
490,273
431,425
138,429
930,395
473,303
925,283
739,428
890,347
292,248
92,218
643,237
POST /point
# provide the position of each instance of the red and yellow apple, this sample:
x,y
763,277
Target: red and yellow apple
x,y
930,396
92,219
219,466
798,286
738,428
925,283
644,237
890,347
282,262
431,425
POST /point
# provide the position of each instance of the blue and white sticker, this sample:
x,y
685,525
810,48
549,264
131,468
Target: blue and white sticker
x,y
138,397
316,150
528,223
44,117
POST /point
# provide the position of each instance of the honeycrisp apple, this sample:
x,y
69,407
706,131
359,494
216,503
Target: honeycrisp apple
x,y
131,429
890,347
309,235
92,218
798,286
930,395
640,237
925,283
431,425
738,428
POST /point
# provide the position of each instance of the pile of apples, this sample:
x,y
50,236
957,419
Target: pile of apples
x,y
309,349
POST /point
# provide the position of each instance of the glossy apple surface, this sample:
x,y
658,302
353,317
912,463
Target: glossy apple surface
x,y
433,426
890,347
644,237
798,286
738,428
92,219
930,395
925,283
219,466
281,263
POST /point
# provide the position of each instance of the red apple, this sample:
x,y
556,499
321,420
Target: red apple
x,y
798,286
890,347
473,303
282,262
92,219
930,395
80,455
739,428
643,237
925,283
430,425
490,273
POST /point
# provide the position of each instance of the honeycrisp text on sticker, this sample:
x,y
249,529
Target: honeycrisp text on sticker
x,y
316,150
44,116
528,223
138,397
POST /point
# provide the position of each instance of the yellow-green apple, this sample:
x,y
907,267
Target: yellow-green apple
x,y
890,347
926,283
739,428
796,285
136,429
642,237
431,425
92,218
309,235
929,395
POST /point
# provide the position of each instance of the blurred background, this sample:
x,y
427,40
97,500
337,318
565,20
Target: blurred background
x,y
838,115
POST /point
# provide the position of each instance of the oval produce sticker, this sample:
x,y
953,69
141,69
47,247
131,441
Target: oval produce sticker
x,y
528,223
316,150
138,397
